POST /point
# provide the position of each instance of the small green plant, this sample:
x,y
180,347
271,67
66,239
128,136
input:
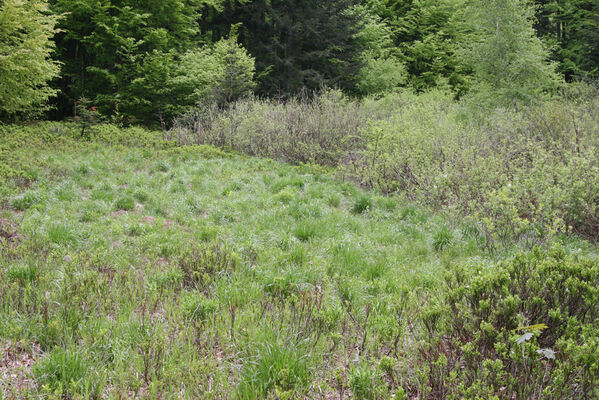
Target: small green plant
x,y
362,204
61,234
87,116
67,373
141,195
333,200
365,384
202,265
23,273
196,307
275,368
124,203
163,166
442,239
24,201
307,229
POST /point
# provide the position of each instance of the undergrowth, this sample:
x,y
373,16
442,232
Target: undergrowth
x,y
144,270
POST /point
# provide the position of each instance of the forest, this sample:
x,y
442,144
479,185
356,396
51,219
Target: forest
x,y
148,62
299,199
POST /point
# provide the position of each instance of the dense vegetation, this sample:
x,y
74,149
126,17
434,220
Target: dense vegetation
x,y
133,267
149,61
284,199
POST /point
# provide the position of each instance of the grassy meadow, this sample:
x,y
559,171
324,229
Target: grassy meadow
x,y
160,272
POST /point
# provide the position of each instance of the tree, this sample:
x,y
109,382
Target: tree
x,y
26,67
571,28
221,73
382,70
116,52
426,32
509,61
298,44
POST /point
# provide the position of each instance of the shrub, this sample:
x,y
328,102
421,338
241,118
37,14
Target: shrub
x,y
522,174
321,129
521,329
202,265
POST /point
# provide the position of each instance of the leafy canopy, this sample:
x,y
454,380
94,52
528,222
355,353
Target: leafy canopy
x,y
26,66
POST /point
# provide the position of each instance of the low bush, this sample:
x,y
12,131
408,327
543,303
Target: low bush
x,y
524,329
320,129
522,175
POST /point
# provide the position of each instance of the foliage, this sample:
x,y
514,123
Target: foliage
x,y
427,33
221,74
134,265
320,129
521,175
572,29
120,54
382,70
298,45
508,60
26,64
86,115
519,329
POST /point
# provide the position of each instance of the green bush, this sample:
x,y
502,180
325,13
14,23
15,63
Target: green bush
x,y
523,175
525,328
322,129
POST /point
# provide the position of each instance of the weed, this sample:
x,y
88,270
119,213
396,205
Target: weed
x,y
67,373
362,204
25,201
308,229
442,239
124,203
23,273
274,368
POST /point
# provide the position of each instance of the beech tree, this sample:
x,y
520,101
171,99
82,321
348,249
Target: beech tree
x,y
26,66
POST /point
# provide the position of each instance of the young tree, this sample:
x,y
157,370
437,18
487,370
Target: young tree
x,y
509,61
221,73
382,70
26,67
426,32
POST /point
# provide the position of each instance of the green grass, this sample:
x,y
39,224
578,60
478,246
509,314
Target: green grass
x,y
167,274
